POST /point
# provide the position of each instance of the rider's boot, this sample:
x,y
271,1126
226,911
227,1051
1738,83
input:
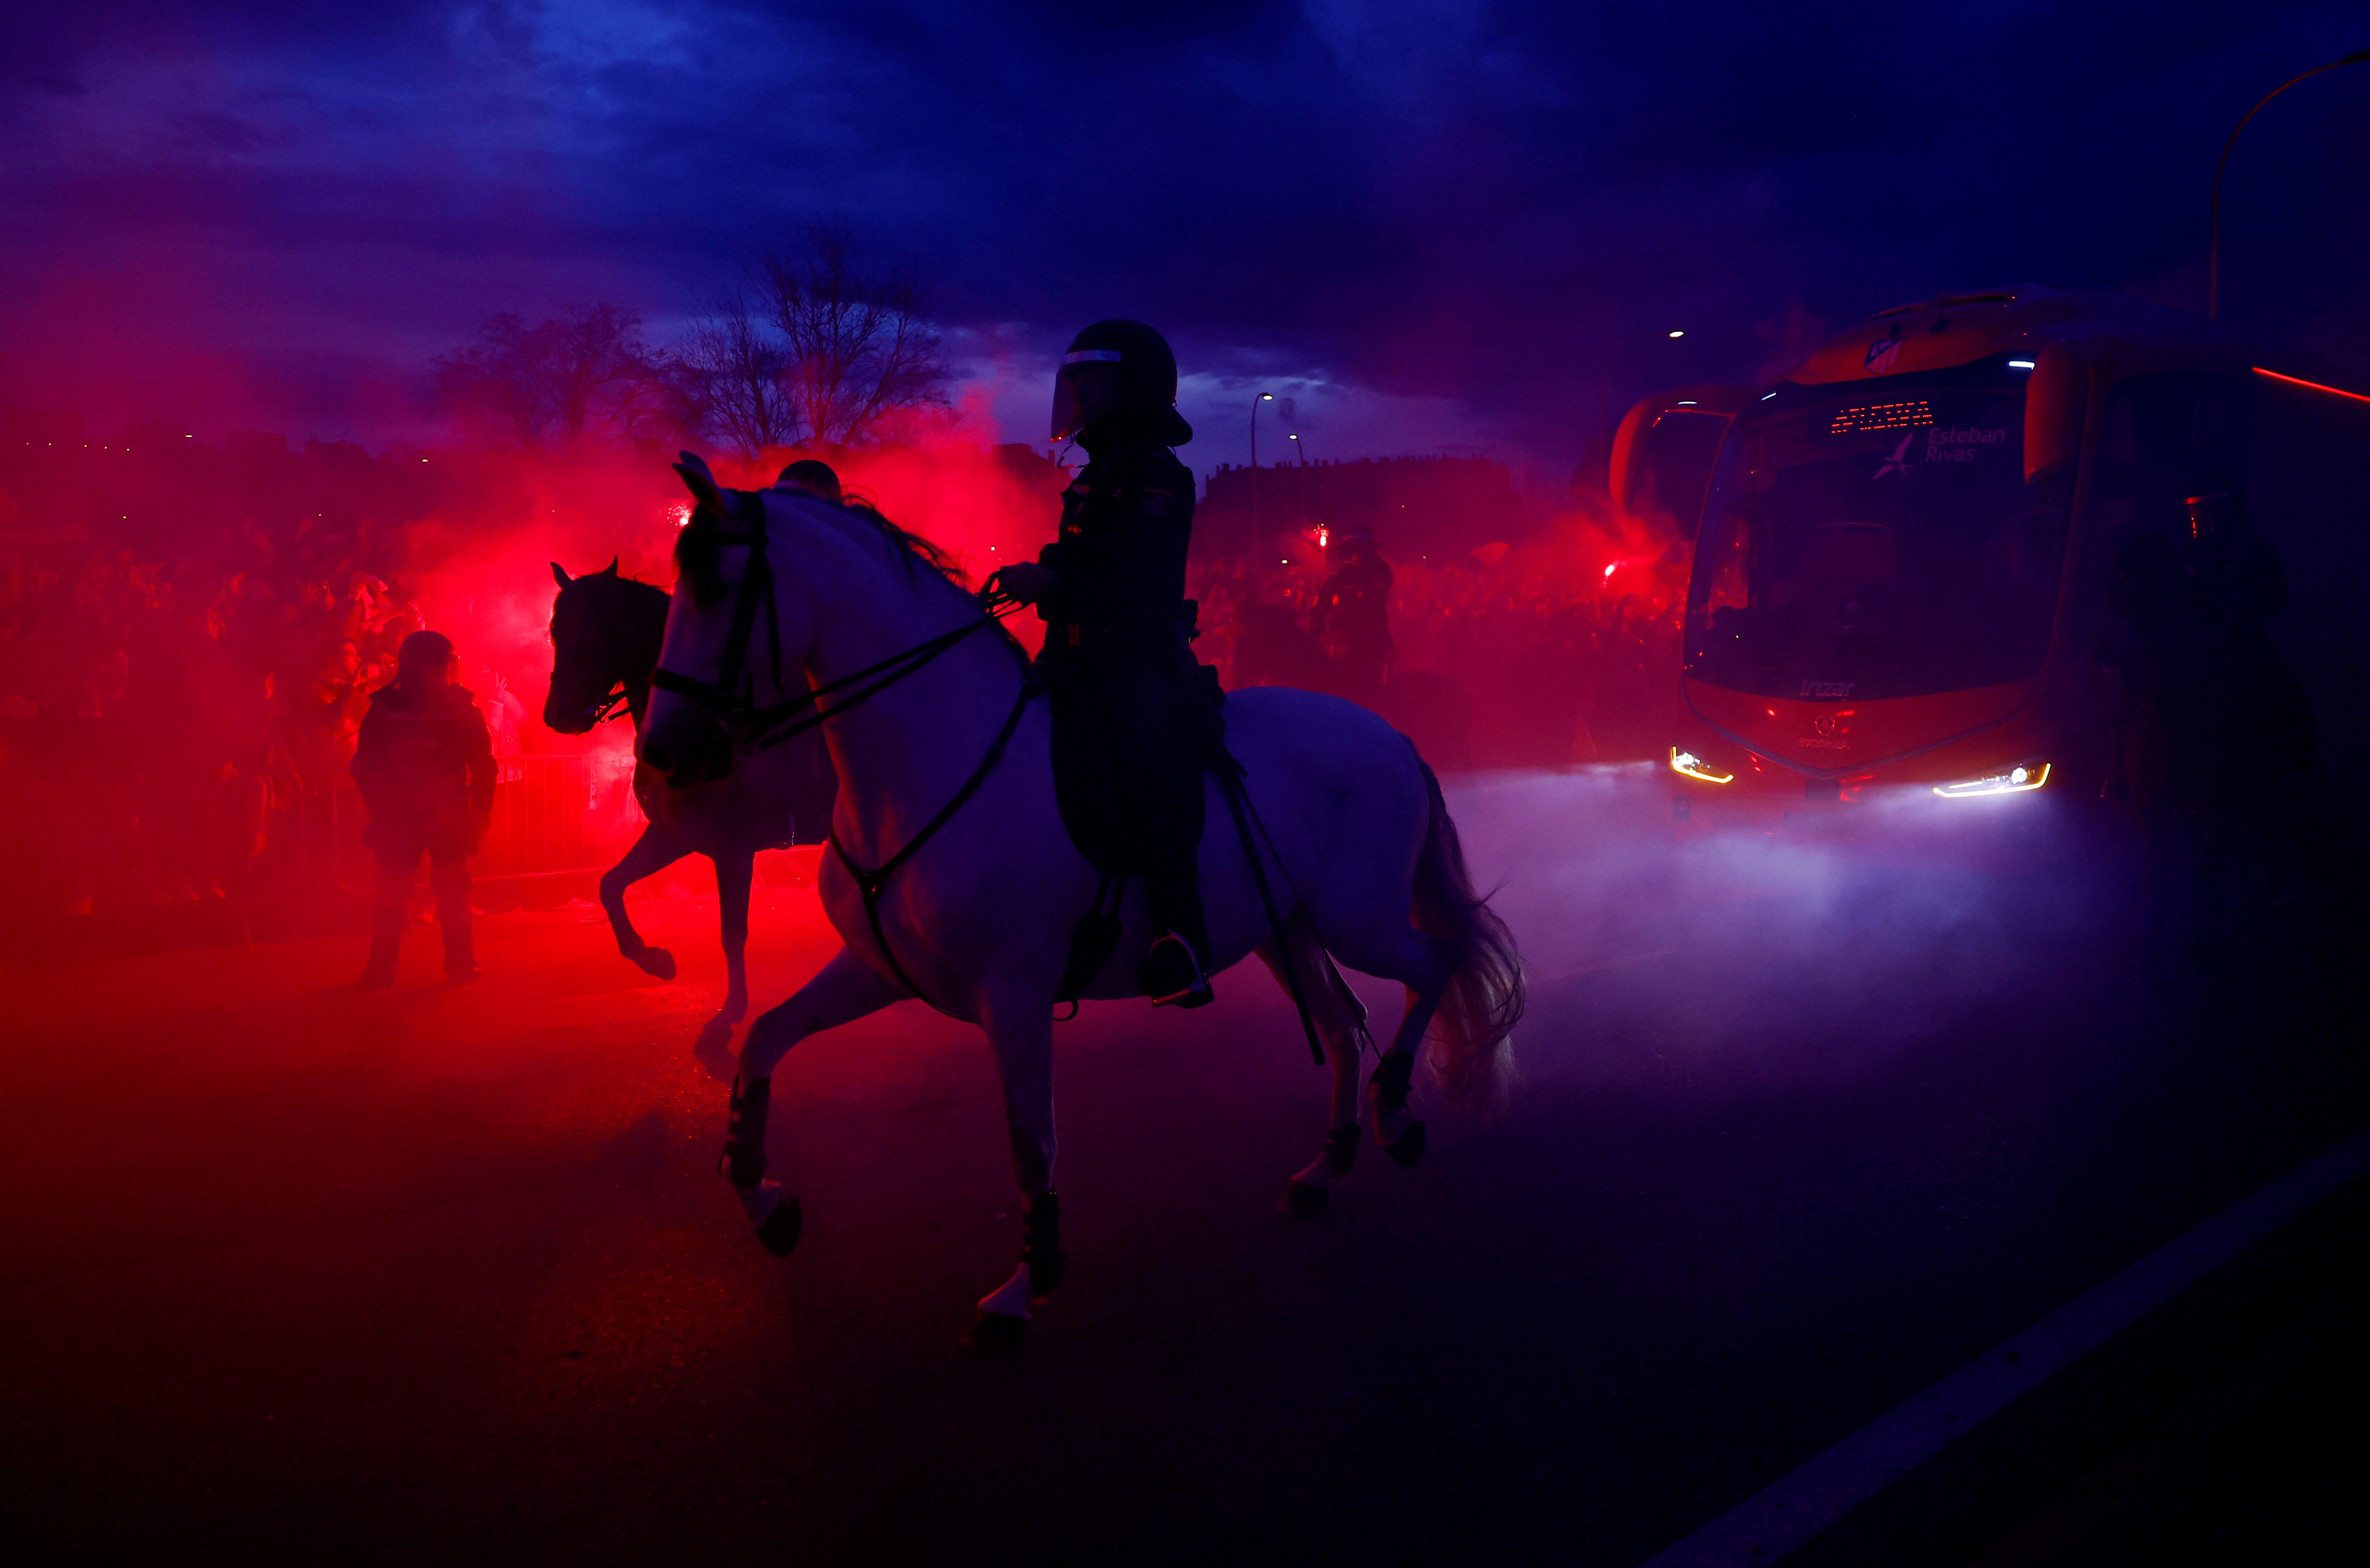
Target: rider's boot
x,y
1171,974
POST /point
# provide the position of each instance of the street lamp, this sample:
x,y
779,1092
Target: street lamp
x,y
2213,237
1300,456
1262,397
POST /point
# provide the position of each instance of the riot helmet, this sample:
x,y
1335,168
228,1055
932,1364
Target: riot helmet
x,y
816,478
1115,367
2219,507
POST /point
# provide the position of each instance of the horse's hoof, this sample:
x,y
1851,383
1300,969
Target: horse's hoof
x,y
713,1052
1408,1147
996,1334
1304,1198
656,962
778,1232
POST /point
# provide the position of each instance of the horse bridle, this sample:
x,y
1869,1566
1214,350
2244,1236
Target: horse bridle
x,y
756,728
731,696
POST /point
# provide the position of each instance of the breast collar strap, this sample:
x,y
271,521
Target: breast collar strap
x,y
871,881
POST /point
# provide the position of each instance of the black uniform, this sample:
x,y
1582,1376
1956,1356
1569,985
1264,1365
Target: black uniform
x,y
2216,709
1135,715
1352,614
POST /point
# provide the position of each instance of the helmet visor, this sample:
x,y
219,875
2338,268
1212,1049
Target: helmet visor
x,y
1069,408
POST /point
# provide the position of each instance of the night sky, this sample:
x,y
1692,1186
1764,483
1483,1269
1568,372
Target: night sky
x,y
1432,223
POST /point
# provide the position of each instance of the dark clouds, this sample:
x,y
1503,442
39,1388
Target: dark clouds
x,y
1421,199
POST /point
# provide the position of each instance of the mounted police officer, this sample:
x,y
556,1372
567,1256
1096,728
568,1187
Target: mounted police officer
x,y
1135,718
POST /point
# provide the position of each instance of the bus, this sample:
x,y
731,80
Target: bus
x,y
1902,562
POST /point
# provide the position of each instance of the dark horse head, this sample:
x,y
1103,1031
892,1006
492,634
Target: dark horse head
x,y
605,632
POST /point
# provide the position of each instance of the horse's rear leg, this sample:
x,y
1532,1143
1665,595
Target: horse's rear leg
x,y
846,989
655,850
733,875
1340,1017
1424,964
1020,1032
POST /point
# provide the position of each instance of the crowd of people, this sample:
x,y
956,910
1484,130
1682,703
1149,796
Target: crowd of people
x,y
182,682
172,690
1503,657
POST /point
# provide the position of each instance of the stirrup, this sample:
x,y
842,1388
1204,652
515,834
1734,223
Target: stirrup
x,y
1195,993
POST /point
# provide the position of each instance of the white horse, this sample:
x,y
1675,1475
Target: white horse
x,y
1357,847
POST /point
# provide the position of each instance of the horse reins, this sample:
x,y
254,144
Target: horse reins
x,y
756,728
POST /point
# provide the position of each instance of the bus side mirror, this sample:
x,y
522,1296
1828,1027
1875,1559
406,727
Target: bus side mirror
x,y
2053,412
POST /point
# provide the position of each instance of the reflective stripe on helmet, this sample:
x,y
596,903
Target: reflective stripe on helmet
x,y
1099,355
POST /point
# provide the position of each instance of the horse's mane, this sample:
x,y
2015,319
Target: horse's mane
x,y
699,552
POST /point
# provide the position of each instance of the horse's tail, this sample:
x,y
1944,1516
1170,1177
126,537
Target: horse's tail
x,y
1473,1057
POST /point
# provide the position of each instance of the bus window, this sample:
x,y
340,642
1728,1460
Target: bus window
x,y
1879,539
1667,479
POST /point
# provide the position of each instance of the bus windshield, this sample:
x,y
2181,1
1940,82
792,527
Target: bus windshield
x,y
1878,539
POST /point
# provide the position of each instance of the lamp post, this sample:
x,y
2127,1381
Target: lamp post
x,y
2214,236
1262,397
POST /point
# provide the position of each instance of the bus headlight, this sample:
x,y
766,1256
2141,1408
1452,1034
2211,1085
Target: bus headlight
x,y
2015,781
1692,766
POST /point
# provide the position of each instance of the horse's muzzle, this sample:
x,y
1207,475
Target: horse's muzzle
x,y
562,719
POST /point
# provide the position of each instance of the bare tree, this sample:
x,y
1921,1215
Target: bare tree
x,y
584,372
497,380
860,346
733,370
601,377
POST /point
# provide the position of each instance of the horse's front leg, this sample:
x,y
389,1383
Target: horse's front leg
x,y
1020,1032
655,850
846,989
734,872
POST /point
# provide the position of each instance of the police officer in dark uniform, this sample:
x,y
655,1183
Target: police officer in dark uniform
x,y
2215,700
1135,718
1352,615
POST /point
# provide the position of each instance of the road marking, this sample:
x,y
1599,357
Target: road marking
x,y
1765,1527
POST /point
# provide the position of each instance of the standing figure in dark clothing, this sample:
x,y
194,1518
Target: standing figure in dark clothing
x,y
2213,700
1354,617
424,761
1135,715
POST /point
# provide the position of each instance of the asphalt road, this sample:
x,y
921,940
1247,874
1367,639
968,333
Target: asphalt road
x,y
290,1273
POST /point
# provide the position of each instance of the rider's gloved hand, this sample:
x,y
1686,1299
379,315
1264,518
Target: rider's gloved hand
x,y
1025,581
